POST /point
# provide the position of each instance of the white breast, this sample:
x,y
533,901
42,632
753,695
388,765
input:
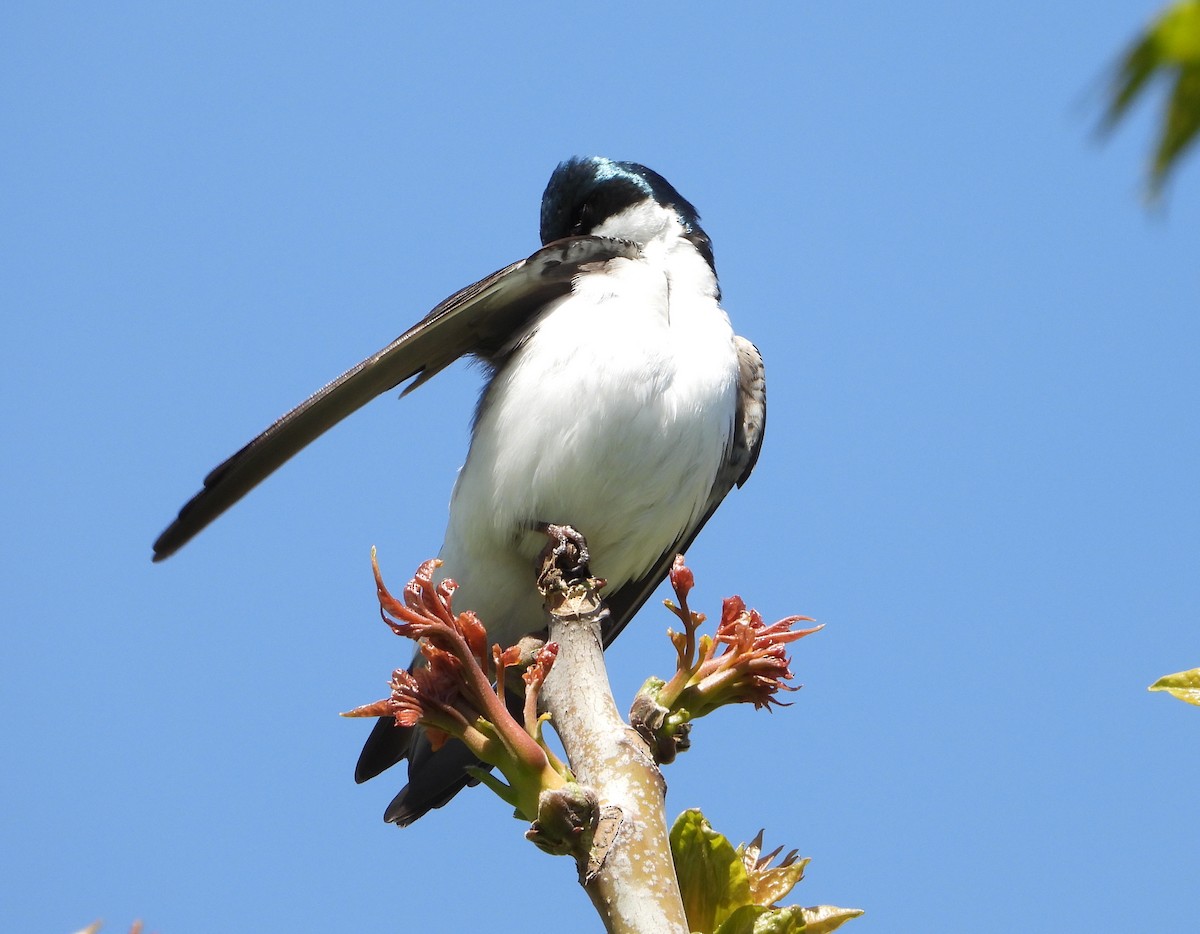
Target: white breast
x,y
613,417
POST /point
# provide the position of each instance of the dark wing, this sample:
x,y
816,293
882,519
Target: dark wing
x,y
481,319
436,777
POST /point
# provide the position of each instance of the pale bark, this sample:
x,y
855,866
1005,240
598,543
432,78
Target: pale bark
x,y
628,871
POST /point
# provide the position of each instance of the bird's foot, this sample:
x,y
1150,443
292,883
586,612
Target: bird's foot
x,y
564,560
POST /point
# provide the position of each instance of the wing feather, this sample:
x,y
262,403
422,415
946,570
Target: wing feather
x,y
480,319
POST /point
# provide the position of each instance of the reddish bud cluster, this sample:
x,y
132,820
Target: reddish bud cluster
x,y
752,668
755,650
456,688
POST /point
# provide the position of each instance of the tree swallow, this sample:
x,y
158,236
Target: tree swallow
x,y
618,401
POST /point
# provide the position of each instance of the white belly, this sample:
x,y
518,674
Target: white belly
x,y
614,418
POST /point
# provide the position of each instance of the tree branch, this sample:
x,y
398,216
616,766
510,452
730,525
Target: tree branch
x,y
628,871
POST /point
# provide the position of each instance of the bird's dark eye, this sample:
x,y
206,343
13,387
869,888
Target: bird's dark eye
x,y
583,220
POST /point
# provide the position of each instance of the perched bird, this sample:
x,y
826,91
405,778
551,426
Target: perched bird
x,y
618,401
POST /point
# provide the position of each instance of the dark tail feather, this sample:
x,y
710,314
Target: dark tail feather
x,y
433,779
386,746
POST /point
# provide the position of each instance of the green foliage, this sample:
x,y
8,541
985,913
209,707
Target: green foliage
x,y
734,891
712,879
1169,49
1183,684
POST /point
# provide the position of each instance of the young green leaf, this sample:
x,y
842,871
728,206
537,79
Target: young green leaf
x,y
770,884
712,879
755,919
1183,684
822,919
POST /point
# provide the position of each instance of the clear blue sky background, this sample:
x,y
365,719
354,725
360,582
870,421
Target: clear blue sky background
x,y
980,469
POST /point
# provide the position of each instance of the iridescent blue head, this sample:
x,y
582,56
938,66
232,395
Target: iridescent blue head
x,y
585,192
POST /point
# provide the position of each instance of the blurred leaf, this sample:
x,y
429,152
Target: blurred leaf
x,y
1182,122
1135,70
712,879
1170,48
1183,684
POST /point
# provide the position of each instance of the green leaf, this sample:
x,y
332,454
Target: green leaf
x,y
742,921
1170,48
1183,684
820,919
712,879
1181,123
781,921
1178,33
770,884
757,919
1132,74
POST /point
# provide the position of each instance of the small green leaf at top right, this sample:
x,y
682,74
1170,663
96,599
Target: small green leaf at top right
x,y
1183,684
1168,50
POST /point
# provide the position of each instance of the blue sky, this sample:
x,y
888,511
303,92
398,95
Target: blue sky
x,y
979,473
